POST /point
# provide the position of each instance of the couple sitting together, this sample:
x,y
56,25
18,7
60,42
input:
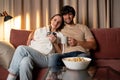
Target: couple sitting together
x,y
44,46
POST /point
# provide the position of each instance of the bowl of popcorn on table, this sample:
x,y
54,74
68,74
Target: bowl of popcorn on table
x,y
76,63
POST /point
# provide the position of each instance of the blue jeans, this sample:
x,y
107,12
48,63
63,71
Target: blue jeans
x,y
23,61
55,60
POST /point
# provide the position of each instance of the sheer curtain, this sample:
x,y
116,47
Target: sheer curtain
x,y
32,14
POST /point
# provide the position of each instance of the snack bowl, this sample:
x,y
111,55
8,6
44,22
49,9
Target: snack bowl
x,y
76,63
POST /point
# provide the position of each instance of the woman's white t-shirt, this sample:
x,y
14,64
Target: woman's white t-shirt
x,y
42,43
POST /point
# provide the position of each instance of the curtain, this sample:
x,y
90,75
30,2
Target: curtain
x,y
32,14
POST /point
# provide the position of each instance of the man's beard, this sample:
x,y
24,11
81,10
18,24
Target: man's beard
x,y
66,22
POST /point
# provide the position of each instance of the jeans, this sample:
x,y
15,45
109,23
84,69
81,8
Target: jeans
x,y
23,61
55,60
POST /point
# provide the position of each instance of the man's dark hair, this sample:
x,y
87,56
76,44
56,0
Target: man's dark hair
x,y
67,9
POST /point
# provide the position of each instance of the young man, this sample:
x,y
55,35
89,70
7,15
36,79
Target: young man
x,y
79,41
81,34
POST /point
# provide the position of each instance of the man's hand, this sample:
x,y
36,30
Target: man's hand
x,y
72,41
89,44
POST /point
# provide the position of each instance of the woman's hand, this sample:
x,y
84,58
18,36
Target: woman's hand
x,y
52,38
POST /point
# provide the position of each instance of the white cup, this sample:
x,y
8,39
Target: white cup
x,y
64,40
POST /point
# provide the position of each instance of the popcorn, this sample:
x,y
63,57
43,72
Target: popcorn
x,y
76,59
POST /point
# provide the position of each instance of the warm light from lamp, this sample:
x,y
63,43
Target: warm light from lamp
x,y
17,22
7,25
37,19
27,21
7,28
1,29
47,17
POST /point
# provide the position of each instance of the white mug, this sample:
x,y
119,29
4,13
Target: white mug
x,y
64,40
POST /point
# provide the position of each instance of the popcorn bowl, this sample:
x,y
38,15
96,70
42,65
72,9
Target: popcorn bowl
x,y
76,63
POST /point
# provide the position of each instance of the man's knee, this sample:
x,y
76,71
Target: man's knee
x,y
53,59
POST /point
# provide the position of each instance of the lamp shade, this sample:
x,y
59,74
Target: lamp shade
x,y
8,17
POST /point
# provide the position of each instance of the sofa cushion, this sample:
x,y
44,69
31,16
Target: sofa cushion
x,y
19,37
6,53
112,63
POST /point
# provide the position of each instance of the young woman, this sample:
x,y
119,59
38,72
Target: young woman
x,y
41,43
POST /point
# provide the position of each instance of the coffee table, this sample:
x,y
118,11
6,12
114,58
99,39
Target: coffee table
x,y
67,74
76,75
